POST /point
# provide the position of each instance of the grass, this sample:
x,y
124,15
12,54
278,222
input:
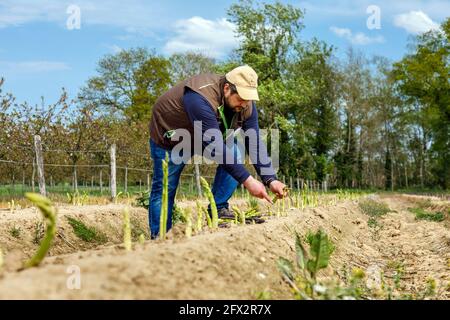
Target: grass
x,y
38,232
137,229
86,233
15,232
422,214
374,208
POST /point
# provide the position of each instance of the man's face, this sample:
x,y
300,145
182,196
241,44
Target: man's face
x,y
234,101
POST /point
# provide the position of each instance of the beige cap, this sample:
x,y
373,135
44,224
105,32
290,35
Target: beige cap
x,y
246,81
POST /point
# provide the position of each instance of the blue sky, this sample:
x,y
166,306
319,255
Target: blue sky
x,y
39,54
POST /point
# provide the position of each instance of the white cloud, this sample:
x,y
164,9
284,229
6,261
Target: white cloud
x,y
358,39
33,66
324,10
213,38
415,22
134,16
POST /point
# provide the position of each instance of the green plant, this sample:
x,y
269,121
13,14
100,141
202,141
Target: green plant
x,y
15,232
164,200
421,214
143,199
239,215
374,208
177,215
141,239
253,204
301,275
187,219
49,214
263,295
86,233
375,227
137,229
212,202
38,232
199,224
77,199
126,230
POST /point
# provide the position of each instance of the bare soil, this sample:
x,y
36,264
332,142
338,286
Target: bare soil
x,y
234,263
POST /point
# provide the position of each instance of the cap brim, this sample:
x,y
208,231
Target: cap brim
x,y
250,94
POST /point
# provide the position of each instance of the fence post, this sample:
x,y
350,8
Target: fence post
x,y
291,183
40,164
33,173
101,182
113,172
75,179
126,179
298,183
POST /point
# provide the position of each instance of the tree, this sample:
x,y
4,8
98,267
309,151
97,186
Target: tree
x,y
422,77
128,82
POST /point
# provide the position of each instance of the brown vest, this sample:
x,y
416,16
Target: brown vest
x,y
168,112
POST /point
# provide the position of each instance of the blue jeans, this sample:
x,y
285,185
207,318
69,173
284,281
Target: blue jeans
x,y
223,187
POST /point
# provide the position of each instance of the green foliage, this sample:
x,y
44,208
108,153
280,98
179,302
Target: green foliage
x,y
321,249
143,199
77,199
302,274
137,228
128,82
38,232
253,204
374,208
86,233
15,232
187,220
422,77
422,214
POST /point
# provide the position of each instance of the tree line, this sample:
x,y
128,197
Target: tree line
x,y
357,121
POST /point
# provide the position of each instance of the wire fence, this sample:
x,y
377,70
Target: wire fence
x,y
104,178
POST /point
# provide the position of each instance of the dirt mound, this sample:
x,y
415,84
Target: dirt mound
x,y
238,263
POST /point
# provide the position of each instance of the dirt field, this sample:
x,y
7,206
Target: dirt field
x,y
235,263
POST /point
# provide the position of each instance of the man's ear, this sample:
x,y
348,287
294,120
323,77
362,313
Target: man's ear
x,y
226,88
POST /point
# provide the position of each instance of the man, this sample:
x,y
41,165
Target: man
x,y
205,103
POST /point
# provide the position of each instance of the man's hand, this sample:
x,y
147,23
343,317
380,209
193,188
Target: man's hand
x,y
278,188
256,189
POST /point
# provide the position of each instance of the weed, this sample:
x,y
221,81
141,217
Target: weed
x,y
374,208
422,214
38,232
86,233
15,232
